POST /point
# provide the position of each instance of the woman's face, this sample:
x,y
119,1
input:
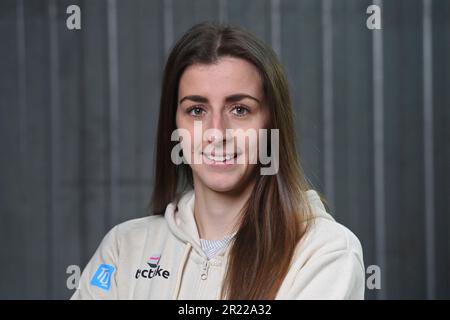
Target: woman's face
x,y
216,97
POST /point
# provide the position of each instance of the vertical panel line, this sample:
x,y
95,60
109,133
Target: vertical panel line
x,y
55,133
83,185
428,148
113,67
168,26
22,100
379,169
22,85
22,104
275,26
328,103
223,11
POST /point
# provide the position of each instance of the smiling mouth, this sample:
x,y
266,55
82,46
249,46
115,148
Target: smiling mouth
x,y
222,158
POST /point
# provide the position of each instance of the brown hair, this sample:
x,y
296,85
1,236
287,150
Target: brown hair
x,y
276,214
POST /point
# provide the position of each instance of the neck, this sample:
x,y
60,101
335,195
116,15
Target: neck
x,y
217,213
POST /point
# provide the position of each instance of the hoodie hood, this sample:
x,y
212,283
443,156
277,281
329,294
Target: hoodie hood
x,y
181,221
317,206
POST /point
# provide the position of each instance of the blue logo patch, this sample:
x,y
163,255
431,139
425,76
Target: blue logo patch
x,y
102,277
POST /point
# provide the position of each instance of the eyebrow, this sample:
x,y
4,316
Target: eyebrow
x,y
229,99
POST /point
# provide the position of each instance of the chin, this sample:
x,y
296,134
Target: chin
x,y
223,185
220,182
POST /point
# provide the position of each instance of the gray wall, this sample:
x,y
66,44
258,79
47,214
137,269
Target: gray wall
x,y
78,114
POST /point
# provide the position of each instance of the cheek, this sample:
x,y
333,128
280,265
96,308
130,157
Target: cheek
x,y
190,142
185,133
258,140
263,120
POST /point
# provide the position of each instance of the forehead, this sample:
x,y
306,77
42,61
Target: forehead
x,y
228,76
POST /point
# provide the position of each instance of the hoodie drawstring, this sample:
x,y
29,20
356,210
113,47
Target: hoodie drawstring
x,y
180,270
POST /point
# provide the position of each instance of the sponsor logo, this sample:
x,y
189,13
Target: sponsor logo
x,y
155,269
102,277
153,261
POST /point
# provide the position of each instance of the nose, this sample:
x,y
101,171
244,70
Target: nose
x,y
216,128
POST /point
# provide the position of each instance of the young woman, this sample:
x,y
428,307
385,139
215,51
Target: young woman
x,y
221,229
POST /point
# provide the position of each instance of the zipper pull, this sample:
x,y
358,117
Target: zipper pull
x,y
205,268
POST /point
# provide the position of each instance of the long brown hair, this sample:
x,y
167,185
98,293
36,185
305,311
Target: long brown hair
x,y
276,214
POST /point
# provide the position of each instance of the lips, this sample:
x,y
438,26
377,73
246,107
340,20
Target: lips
x,y
220,158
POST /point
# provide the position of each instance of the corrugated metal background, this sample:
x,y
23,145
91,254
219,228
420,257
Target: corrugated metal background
x,y
78,114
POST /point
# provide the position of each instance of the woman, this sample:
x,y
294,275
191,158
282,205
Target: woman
x,y
221,228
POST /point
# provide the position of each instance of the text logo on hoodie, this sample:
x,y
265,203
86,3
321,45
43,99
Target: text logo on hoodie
x,y
154,271
102,277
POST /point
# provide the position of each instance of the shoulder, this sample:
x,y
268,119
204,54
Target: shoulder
x,y
138,228
135,231
325,235
328,264
328,235
140,224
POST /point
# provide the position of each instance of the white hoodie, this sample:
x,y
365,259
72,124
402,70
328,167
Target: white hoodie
x,y
159,257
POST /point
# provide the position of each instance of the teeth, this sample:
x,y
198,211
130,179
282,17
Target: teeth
x,y
219,158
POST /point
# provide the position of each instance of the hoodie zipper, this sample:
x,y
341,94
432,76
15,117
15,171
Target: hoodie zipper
x,y
205,268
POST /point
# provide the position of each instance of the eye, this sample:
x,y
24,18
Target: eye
x,y
195,111
240,110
